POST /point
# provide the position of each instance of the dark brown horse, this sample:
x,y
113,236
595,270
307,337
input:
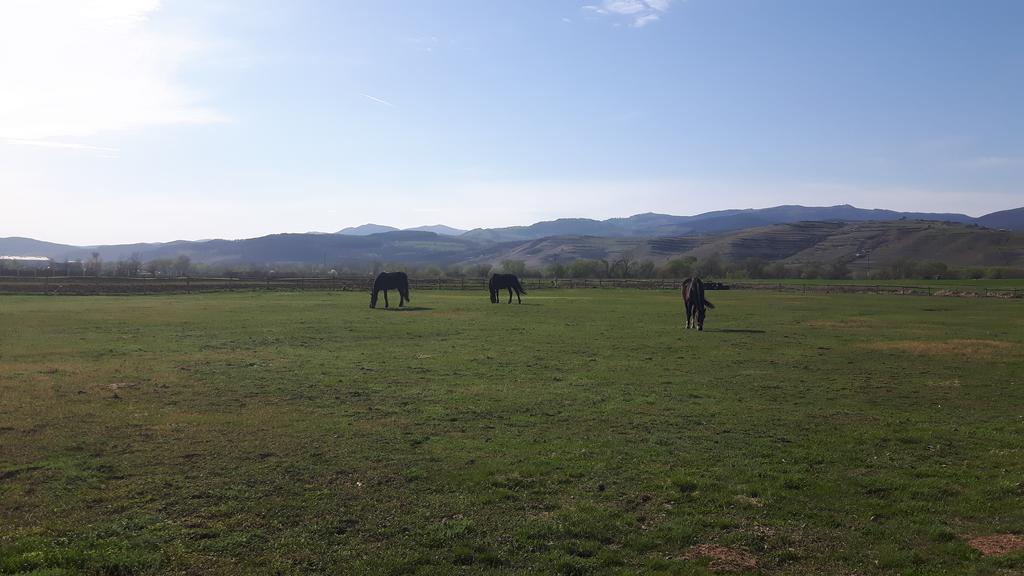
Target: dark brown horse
x,y
695,302
387,281
499,281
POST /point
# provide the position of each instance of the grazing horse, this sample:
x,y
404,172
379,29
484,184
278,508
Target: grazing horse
x,y
499,281
390,280
695,302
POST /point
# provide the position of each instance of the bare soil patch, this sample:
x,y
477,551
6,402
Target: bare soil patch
x,y
723,558
996,544
963,348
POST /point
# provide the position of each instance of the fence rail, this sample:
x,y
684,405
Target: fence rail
x,y
78,285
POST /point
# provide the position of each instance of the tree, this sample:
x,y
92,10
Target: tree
x,y
94,265
645,269
776,270
678,268
181,265
838,270
555,270
710,266
134,264
620,268
810,270
754,267
585,268
517,267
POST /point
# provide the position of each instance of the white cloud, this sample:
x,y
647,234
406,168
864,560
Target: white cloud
x,y
644,20
378,100
639,12
104,151
76,68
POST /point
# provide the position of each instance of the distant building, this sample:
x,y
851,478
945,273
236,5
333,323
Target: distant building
x,y
16,264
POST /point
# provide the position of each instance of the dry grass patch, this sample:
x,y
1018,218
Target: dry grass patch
x,y
963,348
844,323
996,544
723,558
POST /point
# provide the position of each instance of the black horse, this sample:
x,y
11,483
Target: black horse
x,y
499,281
390,280
695,302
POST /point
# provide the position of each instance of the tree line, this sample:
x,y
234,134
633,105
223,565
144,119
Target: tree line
x,y
713,266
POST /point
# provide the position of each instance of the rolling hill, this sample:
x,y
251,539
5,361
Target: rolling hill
x,y
791,234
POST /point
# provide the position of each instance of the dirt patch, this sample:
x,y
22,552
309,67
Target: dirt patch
x,y
723,558
957,293
744,500
996,544
963,348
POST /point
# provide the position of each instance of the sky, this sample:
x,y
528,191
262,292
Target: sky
x,y
145,120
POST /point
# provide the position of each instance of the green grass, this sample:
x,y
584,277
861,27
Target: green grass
x,y
951,283
583,432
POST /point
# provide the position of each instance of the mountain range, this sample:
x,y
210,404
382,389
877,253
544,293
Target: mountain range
x,y
367,229
791,234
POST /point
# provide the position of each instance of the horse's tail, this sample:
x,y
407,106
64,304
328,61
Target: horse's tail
x,y
518,287
404,288
700,290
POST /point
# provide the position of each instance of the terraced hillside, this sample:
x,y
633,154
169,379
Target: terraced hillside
x,y
879,243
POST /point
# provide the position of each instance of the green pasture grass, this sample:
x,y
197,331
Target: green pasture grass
x,y
582,432
950,283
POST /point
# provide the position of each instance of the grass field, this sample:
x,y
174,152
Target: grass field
x,y
583,432
953,283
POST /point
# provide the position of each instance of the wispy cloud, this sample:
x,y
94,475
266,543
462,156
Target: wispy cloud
x,y
644,20
638,12
423,43
378,100
73,69
104,151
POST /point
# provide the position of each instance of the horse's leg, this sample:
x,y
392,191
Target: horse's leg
x,y
518,298
385,298
509,294
401,298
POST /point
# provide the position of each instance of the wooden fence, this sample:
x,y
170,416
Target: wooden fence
x,y
78,285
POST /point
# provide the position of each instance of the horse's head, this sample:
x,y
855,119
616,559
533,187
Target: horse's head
x,y
373,299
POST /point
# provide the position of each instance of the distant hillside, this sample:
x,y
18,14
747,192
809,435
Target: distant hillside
x,y
366,229
438,229
783,233
658,225
406,247
877,242
17,246
1006,219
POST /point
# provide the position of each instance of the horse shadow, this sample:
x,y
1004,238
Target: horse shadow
x,y
735,330
408,309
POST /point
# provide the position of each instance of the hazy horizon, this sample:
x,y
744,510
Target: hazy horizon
x,y
146,121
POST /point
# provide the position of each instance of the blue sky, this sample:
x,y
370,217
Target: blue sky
x,y
140,120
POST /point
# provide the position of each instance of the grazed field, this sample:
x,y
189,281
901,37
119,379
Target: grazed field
x,y
583,432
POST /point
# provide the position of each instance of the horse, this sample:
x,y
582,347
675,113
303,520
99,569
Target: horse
x,y
695,302
390,280
509,281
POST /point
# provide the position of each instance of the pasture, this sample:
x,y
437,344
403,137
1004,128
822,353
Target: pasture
x,y
582,432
